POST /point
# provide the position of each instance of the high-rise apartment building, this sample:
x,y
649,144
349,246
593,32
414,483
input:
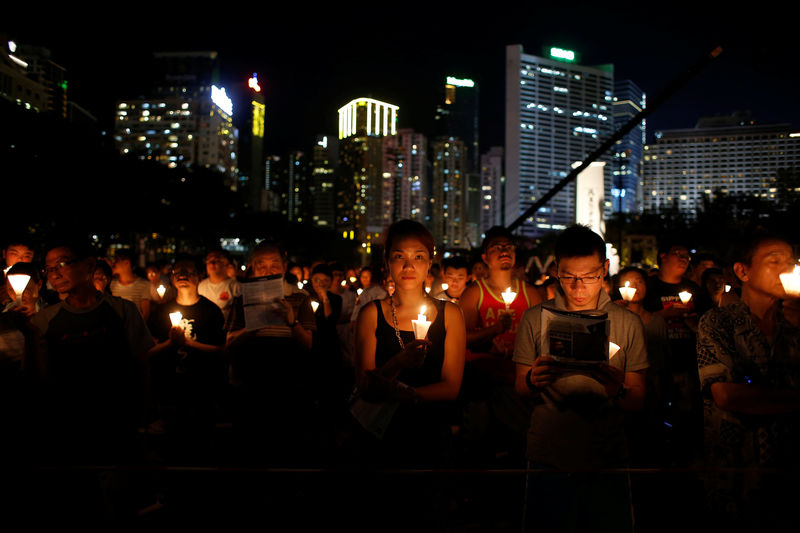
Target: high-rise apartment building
x,y
187,122
557,112
323,181
492,189
363,123
732,156
626,161
449,205
406,177
458,115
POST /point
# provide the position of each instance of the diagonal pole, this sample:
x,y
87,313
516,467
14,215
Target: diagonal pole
x,y
665,95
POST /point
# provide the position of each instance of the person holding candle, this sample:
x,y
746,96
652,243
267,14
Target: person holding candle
x,y
749,366
456,276
683,394
577,420
17,250
156,279
393,365
187,368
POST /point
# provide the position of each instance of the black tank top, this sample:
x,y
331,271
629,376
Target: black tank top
x,y
387,346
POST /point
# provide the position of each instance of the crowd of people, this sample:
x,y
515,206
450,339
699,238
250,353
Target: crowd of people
x,y
418,362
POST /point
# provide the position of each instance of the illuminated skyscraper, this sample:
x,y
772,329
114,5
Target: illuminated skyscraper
x,y
363,123
189,120
252,180
728,155
557,112
323,179
406,177
626,164
458,115
449,205
492,188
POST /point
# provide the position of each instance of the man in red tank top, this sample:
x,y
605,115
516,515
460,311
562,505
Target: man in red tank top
x,y
491,326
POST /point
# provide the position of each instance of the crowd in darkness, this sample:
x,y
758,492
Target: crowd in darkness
x,y
107,363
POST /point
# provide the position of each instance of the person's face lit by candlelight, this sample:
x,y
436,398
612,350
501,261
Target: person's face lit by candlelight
x,y
762,276
636,281
320,283
267,262
65,272
17,253
409,262
216,266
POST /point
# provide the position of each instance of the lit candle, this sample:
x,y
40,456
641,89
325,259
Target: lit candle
x,y
612,349
627,291
18,283
344,283
300,285
727,288
359,291
421,324
314,305
427,289
176,318
791,282
445,286
352,279
161,290
685,296
508,296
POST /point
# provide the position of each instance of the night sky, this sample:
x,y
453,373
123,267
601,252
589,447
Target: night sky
x,y
311,62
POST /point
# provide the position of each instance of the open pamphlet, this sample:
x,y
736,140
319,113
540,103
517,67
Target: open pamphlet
x,y
575,340
261,302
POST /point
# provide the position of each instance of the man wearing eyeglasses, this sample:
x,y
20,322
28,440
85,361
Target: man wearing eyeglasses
x,y
91,358
578,418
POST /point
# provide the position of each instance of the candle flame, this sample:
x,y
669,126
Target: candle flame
x,y
422,311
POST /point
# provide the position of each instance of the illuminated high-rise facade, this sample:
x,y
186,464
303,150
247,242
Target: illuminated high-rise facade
x,y
188,122
363,123
324,181
557,112
492,188
458,115
727,155
406,177
252,179
449,207
626,162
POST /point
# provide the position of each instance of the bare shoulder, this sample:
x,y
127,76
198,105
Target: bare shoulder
x,y
470,294
368,314
453,314
534,297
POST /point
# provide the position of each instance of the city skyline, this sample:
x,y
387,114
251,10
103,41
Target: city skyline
x,y
311,68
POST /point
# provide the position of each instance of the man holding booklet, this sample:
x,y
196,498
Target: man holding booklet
x,y
563,359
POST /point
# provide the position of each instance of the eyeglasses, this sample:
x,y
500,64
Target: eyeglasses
x,y
59,266
586,280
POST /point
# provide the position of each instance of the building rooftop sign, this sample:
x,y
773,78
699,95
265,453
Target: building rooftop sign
x,y
460,82
562,55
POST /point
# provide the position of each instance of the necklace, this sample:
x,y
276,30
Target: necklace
x,y
394,323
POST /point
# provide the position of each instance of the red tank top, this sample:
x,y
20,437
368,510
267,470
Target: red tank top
x,y
490,304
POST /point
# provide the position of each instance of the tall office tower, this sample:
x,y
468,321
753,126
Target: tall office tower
x,y
276,184
626,163
557,112
179,131
187,122
323,181
300,202
449,207
405,172
730,155
251,149
458,115
492,189
363,123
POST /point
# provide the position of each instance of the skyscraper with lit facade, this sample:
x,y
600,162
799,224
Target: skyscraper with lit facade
x,y
363,123
626,162
252,178
557,112
458,115
727,155
492,188
449,207
188,122
406,176
323,181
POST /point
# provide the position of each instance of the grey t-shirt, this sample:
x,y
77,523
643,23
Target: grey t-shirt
x,y
576,425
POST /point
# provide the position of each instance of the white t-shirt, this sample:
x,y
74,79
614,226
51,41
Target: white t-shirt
x,y
221,293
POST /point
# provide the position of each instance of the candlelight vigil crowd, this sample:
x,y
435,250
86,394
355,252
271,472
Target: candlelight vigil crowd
x,y
580,377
